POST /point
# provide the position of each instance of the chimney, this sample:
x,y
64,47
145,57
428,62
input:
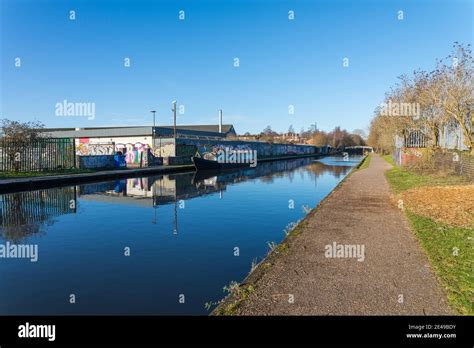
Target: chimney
x,y
220,121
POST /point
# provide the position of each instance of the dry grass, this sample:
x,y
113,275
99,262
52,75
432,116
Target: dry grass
x,y
453,205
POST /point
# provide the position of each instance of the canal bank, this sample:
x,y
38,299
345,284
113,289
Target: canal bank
x,y
355,254
38,182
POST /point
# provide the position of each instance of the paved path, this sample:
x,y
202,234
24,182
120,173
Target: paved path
x,y
358,212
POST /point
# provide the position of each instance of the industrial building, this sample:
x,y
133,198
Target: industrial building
x,y
154,145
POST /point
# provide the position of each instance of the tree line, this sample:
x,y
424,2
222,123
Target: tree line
x,y
430,102
337,138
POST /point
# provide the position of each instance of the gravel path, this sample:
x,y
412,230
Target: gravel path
x,y
393,278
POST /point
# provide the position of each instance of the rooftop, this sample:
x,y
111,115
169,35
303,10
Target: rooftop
x,y
203,130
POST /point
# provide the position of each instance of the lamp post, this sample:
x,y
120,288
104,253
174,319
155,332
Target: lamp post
x,y
153,131
174,118
153,112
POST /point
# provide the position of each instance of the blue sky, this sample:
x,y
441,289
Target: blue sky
x,y
282,62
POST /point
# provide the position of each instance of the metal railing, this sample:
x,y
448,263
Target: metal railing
x,y
415,138
38,155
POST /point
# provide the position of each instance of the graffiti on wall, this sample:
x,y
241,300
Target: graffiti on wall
x,y
410,155
164,147
88,149
224,148
134,153
263,149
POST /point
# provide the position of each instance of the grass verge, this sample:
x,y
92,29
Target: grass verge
x,y
450,252
11,175
365,164
448,248
402,179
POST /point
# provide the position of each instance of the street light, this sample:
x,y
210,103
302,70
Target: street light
x,y
174,118
153,112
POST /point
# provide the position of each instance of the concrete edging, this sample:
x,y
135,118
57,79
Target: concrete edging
x,y
25,184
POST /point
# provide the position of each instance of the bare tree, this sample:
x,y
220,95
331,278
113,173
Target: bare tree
x,y
337,138
458,79
17,136
442,98
320,138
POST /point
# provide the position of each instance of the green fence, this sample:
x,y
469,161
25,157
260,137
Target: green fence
x,y
40,155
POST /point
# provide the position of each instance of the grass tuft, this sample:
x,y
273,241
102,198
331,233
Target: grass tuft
x,y
365,164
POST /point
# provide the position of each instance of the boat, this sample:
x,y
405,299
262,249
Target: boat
x,y
204,176
208,164
208,161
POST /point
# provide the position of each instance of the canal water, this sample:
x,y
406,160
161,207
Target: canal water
x,y
154,245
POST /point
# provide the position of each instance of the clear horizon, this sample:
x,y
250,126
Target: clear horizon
x,y
284,63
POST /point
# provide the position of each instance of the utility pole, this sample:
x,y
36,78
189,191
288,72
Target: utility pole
x,y
153,112
174,118
220,121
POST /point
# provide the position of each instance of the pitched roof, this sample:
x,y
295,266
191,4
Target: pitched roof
x,y
204,128
97,132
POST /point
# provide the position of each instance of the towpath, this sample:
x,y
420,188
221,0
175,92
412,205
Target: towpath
x,y
393,277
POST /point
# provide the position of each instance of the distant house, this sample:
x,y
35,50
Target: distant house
x,y
248,137
293,138
288,137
